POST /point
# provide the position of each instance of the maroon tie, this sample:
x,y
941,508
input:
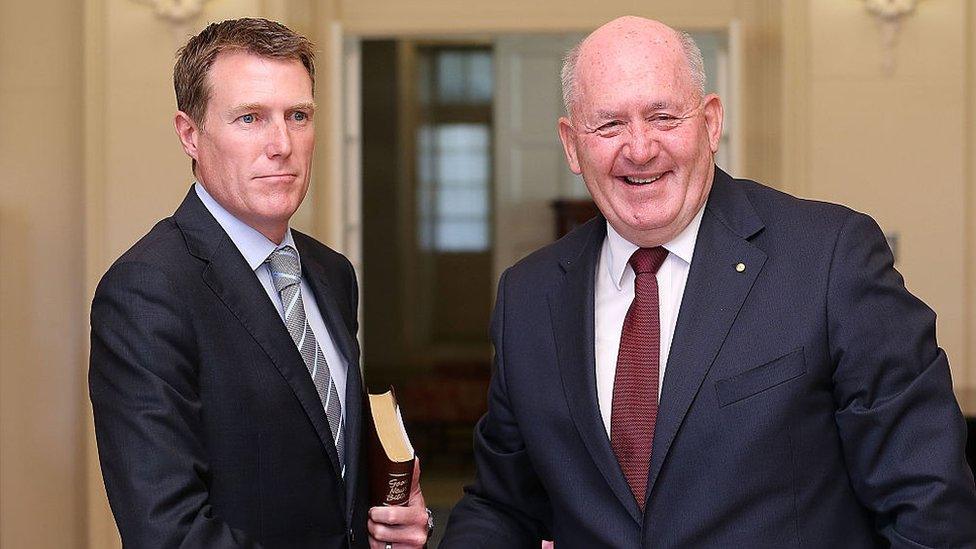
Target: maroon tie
x,y
634,409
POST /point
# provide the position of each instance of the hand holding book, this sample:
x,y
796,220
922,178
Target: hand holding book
x,y
404,525
399,514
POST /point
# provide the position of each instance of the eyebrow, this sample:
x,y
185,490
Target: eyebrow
x,y
307,106
244,107
605,115
655,106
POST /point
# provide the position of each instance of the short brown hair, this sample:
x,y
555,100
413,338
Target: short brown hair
x,y
257,36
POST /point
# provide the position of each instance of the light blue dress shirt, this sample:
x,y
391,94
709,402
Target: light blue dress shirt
x,y
256,248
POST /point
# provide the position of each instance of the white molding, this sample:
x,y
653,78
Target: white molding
x,y
331,211
890,14
736,82
100,524
795,99
176,12
351,99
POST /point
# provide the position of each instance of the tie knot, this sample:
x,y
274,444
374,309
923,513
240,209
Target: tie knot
x,y
648,260
285,268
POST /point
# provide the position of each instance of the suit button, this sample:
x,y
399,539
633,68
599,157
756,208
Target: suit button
x,y
352,536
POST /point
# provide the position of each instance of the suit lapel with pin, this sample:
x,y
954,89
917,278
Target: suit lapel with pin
x,y
716,288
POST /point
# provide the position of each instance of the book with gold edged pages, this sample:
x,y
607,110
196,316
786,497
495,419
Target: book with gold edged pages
x,y
391,456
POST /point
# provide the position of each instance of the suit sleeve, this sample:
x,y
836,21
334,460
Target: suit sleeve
x,y
507,505
902,431
145,398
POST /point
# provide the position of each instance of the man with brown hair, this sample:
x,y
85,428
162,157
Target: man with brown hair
x,y
224,370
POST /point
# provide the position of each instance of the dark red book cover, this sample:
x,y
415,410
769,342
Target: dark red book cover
x,y
389,478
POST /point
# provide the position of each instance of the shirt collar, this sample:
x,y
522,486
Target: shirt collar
x,y
254,246
620,249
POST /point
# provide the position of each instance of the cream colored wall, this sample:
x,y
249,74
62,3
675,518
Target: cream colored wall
x,y
42,321
969,229
897,146
89,162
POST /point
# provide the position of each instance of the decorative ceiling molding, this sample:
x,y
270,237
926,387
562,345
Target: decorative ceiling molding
x,y
175,12
890,14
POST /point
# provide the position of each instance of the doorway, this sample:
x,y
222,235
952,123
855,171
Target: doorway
x,y
427,243
460,169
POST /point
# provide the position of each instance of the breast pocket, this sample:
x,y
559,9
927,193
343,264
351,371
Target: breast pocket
x,y
761,378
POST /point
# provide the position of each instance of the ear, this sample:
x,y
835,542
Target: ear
x,y
188,133
714,117
569,138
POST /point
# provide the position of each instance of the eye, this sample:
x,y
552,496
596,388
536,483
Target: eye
x,y
665,121
247,118
299,116
609,129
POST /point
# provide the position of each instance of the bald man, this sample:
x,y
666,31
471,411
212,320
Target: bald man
x,y
710,363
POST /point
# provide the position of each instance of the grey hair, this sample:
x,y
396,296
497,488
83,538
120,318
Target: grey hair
x,y
693,54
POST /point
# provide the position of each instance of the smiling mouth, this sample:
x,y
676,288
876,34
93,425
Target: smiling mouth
x,y
640,180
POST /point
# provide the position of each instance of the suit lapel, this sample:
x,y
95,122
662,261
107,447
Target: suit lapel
x,y
333,315
354,420
234,283
713,295
571,305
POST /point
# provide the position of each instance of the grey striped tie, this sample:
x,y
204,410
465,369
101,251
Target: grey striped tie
x,y
286,273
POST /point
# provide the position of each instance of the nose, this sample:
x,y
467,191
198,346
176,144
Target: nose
x,y
642,144
279,140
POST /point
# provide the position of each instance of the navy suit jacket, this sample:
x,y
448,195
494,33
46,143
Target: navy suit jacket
x,y
210,431
805,401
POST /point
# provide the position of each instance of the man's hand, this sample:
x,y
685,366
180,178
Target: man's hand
x,y
402,526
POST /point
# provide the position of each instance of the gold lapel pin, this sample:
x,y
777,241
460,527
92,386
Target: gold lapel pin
x,y
740,267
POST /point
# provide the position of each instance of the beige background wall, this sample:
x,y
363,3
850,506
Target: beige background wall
x,y
89,161
42,292
897,146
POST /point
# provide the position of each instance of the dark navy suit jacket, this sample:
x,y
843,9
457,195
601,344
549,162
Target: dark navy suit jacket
x,y
805,401
210,431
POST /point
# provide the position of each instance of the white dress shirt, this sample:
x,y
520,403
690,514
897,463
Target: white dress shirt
x,y
256,248
614,293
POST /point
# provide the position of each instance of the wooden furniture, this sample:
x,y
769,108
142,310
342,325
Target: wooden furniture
x,y
571,213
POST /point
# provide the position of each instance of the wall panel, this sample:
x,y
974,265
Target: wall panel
x,y
891,145
41,276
